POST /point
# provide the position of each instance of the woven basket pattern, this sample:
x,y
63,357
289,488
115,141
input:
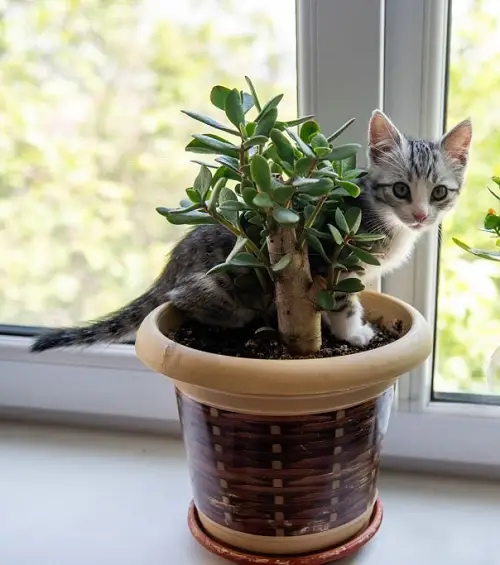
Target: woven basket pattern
x,y
284,475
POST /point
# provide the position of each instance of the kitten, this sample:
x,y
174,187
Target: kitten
x,y
410,186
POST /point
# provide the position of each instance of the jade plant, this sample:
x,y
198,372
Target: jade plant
x,y
287,192
491,225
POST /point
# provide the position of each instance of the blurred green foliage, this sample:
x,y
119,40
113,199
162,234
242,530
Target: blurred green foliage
x,y
469,287
90,108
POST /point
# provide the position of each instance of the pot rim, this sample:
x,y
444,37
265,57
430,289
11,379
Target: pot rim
x,y
236,375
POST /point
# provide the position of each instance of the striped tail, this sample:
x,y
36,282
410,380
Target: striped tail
x,y
111,328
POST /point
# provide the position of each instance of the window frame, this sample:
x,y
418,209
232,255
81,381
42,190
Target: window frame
x,y
108,386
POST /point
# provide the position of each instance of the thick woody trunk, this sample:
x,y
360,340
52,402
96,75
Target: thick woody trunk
x,y
299,319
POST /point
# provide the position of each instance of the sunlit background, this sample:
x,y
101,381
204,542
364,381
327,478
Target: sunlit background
x,y
92,140
468,325
92,137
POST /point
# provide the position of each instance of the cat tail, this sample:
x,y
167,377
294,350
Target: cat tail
x,y
111,328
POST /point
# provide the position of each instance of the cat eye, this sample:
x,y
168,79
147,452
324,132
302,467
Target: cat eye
x,y
440,192
401,190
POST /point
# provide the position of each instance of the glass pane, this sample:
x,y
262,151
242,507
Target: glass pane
x,y
92,137
468,324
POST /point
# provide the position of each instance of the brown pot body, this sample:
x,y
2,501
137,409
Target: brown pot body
x,y
284,455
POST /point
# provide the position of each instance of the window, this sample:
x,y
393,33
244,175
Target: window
x,y
468,315
94,137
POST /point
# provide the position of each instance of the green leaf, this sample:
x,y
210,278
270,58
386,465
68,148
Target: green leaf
x,y
344,151
283,146
364,255
337,236
496,180
218,96
261,173
276,169
249,193
350,187
194,195
348,164
268,106
484,254
302,145
234,108
319,140
255,140
202,182
318,187
284,216
214,199
298,121
207,144
368,237
304,164
353,218
247,101
246,260
282,264
250,129
187,205
325,300
314,243
238,247
321,152
349,285
341,221
354,174
256,220
186,218
254,94
318,234
210,122
321,173
263,200
491,221
209,165
307,130
266,124
283,193
232,206
229,162
341,130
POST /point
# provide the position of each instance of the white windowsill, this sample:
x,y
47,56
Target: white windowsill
x,y
108,387
74,497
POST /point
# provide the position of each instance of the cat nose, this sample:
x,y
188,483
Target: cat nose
x,y
420,216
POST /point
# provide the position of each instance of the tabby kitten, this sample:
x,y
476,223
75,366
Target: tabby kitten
x,y
410,186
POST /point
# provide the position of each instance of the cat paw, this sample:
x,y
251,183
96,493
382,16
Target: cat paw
x,y
362,336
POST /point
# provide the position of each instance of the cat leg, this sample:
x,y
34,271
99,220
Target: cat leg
x,y
346,323
209,300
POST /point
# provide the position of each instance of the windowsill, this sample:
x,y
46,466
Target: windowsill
x,y
73,497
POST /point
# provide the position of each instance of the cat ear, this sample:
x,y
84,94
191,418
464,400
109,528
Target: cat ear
x,y
456,142
383,136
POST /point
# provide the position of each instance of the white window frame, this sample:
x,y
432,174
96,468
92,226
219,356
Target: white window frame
x,y
352,57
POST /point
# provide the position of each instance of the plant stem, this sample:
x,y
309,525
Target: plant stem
x,y
333,273
299,319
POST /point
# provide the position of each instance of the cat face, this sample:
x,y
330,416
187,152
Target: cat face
x,y
415,182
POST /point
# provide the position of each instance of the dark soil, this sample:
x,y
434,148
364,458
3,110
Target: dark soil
x,y
243,343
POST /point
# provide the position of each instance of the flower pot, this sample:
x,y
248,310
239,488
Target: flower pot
x,y
284,455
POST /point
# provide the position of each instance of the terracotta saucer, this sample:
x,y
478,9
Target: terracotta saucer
x,y
317,558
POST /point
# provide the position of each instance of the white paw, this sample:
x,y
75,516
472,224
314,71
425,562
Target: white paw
x,y
362,336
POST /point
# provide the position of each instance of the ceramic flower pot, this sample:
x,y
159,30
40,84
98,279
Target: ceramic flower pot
x,y
284,455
